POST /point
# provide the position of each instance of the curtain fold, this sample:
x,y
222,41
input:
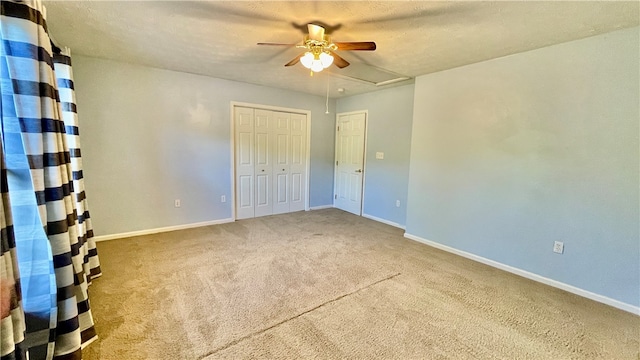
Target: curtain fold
x,y
18,59
12,326
47,184
85,255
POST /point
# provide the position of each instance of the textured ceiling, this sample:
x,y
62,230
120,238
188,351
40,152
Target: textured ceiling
x,y
218,38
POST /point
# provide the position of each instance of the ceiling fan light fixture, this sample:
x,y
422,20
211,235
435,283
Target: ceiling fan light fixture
x,y
317,66
326,59
316,60
320,50
307,60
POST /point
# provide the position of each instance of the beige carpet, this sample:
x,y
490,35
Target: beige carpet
x,y
329,285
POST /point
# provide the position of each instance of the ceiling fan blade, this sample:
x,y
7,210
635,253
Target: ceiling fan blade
x,y
338,61
316,32
294,61
363,45
276,44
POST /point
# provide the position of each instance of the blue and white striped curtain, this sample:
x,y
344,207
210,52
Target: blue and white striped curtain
x,y
56,253
86,262
12,327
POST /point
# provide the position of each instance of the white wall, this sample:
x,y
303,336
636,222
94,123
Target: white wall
x,y
388,131
150,136
511,154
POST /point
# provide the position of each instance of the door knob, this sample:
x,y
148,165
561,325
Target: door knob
x,y
282,169
359,170
262,170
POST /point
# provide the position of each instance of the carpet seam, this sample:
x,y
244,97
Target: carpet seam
x,y
237,341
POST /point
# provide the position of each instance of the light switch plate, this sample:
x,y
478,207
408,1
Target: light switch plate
x,y
558,247
379,155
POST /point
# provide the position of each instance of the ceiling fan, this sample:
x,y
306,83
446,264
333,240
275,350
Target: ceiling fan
x,y
320,50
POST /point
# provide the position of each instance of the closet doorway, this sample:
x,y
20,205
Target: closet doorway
x,y
270,155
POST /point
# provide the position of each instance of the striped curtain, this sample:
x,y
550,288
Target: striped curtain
x,y
55,236
12,327
85,259
33,251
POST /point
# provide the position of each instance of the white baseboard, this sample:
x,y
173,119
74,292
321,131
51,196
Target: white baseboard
x,y
162,229
529,275
321,207
394,224
370,217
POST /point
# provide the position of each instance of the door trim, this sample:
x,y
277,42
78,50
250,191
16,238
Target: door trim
x,y
232,106
364,155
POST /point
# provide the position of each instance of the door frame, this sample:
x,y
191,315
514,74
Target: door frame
x,y
364,154
232,106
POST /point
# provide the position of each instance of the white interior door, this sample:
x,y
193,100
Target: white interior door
x,y
244,162
350,140
264,162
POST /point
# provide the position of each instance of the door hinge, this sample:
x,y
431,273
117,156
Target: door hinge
x,y
338,128
335,197
336,162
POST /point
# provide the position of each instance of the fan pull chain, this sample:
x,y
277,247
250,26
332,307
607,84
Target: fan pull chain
x,y
327,103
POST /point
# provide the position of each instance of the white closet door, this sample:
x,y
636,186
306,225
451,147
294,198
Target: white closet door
x,y
245,164
298,162
264,124
270,162
281,159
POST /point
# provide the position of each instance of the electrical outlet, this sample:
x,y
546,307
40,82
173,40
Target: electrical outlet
x,y
397,203
223,198
558,247
176,203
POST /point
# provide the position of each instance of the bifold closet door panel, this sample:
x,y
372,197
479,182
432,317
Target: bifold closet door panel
x,y
264,148
281,159
244,162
